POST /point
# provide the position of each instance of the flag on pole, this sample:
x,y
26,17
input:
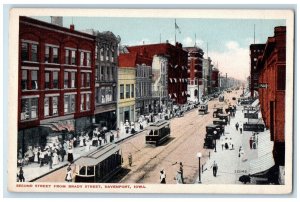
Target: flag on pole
x,y
177,27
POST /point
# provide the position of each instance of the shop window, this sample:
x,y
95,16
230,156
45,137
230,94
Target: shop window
x,y
29,108
46,106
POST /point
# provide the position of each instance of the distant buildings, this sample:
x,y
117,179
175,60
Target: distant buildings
x,y
272,72
56,85
177,68
195,73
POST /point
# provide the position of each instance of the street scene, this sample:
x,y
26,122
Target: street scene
x,y
96,106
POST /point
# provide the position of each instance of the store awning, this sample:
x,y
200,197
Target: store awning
x,y
265,158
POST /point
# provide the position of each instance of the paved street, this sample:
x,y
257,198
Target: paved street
x,y
187,138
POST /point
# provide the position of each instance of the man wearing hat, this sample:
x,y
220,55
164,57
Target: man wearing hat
x,y
162,177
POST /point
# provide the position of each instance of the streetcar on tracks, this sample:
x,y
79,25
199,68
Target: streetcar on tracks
x,y
99,165
158,133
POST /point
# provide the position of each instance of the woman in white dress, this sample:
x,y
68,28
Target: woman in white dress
x,y
81,141
36,155
87,145
55,157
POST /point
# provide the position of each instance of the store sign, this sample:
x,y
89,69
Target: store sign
x,y
263,85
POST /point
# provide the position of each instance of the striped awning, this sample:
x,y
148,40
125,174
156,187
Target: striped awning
x,y
265,158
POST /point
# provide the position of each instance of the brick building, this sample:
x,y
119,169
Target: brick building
x,y
215,80
255,51
177,67
143,89
56,89
271,66
195,73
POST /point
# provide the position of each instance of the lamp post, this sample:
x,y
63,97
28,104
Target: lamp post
x,y
215,137
199,155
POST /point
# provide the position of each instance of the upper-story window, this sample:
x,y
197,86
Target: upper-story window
x,y
51,54
107,54
29,83
132,90
85,59
69,79
121,91
70,57
102,54
112,54
69,103
29,51
127,90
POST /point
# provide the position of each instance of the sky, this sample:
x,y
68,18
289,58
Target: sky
x,y
225,41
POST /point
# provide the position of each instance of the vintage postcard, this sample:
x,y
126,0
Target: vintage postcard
x,y
151,101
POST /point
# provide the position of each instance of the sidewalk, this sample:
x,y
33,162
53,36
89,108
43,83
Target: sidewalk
x,y
230,165
33,171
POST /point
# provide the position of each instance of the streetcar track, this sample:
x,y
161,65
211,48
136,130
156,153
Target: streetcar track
x,y
163,152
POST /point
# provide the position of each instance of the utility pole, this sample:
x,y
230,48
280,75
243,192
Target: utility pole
x,y
226,86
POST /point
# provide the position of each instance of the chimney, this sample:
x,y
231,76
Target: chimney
x,y
57,20
167,41
72,27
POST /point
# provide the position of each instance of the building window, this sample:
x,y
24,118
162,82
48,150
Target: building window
x,y
66,79
51,54
69,103
127,90
88,80
88,59
281,78
24,80
29,108
73,58
82,80
55,80
54,106
107,54
73,79
29,83
102,73
34,80
70,57
82,59
101,54
47,80
85,59
69,80
121,91
46,106
85,103
112,54
29,52
132,90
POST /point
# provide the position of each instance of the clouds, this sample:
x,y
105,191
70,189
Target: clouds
x,y
235,60
188,42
